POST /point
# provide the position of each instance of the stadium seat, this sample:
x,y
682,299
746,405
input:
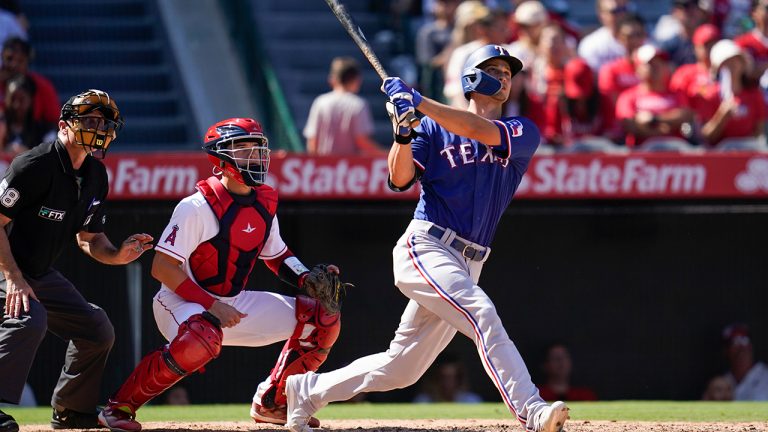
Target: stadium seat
x,y
595,144
743,144
668,144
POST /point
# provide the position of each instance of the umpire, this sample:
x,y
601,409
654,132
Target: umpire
x,y
50,194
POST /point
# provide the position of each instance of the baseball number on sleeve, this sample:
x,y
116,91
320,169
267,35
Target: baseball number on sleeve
x,y
9,197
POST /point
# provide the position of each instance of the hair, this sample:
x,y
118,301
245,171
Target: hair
x,y
344,70
493,15
22,82
18,44
632,18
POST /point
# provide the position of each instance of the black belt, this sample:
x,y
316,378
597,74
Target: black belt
x,y
466,250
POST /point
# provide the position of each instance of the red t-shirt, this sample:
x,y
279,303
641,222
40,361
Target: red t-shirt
x,y
750,113
617,76
640,98
553,129
47,107
753,45
699,91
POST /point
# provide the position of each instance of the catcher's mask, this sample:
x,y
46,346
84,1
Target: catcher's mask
x,y
93,131
238,147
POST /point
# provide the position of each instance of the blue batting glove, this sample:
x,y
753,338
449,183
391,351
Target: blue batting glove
x,y
393,86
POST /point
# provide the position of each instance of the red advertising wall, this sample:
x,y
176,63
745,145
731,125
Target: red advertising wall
x,y
170,176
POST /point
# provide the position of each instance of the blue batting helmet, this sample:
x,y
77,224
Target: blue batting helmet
x,y
474,79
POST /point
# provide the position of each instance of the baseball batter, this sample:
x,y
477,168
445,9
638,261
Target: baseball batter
x,y
469,163
206,253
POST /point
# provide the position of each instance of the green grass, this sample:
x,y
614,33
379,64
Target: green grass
x,y
618,410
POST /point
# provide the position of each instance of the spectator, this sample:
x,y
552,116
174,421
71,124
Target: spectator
x,y
686,16
12,22
519,103
557,369
557,12
446,381
531,18
732,17
491,29
585,110
340,121
719,388
619,74
741,107
649,109
602,45
694,82
755,42
547,82
15,55
748,377
23,132
177,395
431,42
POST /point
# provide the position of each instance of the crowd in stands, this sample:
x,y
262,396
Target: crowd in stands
x,y
29,104
694,80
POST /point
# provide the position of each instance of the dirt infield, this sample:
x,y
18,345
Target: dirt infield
x,y
469,425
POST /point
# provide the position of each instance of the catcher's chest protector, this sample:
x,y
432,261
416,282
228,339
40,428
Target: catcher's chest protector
x,y
222,264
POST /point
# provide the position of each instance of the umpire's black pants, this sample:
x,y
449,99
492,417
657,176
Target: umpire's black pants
x,y
63,311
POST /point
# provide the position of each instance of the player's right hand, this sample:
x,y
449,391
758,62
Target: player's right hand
x,y
399,113
396,88
17,294
227,315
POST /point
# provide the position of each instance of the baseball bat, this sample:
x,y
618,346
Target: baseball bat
x,y
357,35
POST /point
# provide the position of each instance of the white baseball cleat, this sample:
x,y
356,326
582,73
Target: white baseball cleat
x,y
552,418
298,414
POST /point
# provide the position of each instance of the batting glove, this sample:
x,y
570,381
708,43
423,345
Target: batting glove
x,y
400,111
396,88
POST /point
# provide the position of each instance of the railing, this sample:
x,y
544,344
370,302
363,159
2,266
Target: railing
x,y
265,86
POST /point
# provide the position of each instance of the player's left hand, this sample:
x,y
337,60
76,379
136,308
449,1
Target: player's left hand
x,y
399,113
134,246
396,89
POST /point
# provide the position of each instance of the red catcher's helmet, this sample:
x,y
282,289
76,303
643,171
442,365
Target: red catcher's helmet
x,y
238,147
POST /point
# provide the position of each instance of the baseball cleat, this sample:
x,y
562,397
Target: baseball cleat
x,y
119,419
69,419
261,414
298,416
553,417
8,423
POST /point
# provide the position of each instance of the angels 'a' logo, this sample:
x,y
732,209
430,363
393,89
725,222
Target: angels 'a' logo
x,y
172,236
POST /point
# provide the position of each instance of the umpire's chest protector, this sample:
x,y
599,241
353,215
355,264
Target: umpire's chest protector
x,y
222,264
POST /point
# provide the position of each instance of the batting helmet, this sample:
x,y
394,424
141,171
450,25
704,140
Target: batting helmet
x,y
238,147
474,79
94,133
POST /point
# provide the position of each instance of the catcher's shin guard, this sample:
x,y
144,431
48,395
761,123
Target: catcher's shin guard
x,y
197,343
316,332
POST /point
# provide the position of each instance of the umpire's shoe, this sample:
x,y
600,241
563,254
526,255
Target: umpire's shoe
x,y
68,419
8,423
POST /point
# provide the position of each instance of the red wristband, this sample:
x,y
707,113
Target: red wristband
x,y
192,292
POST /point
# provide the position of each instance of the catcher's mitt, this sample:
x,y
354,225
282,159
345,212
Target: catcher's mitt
x,y
325,286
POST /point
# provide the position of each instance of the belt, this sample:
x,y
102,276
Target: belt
x,y
465,249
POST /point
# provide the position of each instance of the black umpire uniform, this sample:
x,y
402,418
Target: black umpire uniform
x,y
49,203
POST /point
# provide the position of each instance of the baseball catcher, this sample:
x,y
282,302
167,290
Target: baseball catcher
x,y
205,255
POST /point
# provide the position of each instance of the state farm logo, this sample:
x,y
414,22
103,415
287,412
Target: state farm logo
x,y
299,177
755,178
630,176
132,178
